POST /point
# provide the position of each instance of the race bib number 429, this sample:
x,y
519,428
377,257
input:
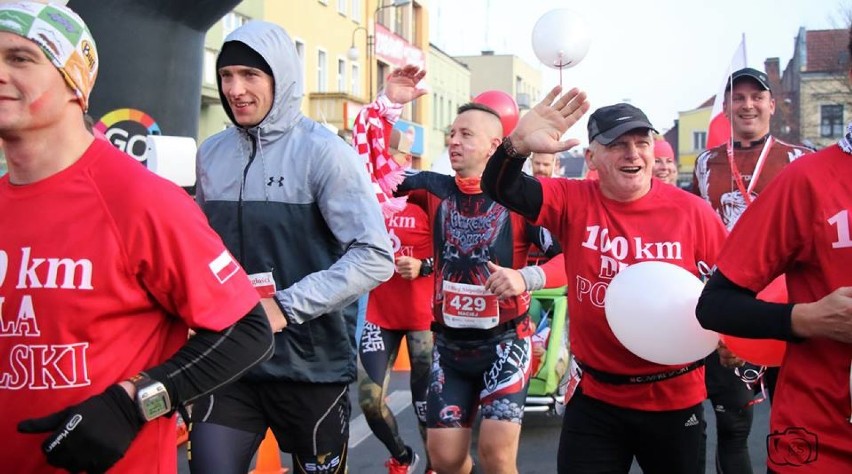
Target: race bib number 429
x,y
469,306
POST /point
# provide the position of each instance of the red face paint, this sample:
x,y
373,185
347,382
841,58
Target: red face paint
x,y
39,103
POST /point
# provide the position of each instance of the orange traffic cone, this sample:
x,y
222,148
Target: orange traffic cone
x,y
268,457
402,363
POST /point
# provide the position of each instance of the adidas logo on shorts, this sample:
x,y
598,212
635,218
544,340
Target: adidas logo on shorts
x,y
692,421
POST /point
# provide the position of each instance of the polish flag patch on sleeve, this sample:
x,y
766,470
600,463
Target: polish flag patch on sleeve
x,y
224,267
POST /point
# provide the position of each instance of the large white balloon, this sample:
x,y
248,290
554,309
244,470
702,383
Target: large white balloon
x,y
650,307
560,38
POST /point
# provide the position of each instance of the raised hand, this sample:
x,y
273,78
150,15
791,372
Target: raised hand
x,y
401,85
540,129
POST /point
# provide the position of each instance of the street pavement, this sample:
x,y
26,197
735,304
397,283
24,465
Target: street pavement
x,y
539,437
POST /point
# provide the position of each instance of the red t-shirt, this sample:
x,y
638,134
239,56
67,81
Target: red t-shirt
x,y
800,226
103,266
600,236
401,304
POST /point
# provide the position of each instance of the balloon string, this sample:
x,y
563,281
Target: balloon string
x,y
560,69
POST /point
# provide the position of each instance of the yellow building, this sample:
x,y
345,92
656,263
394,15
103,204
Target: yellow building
x,y
212,118
347,47
692,137
449,81
504,72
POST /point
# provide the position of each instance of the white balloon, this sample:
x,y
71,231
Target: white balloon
x,y
650,307
560,38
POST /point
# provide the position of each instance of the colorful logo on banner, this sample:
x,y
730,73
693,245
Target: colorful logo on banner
x,y
127,130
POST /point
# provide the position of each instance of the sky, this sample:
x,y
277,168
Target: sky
x,y
663,56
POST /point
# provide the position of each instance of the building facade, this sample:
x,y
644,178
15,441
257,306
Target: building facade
x,y
449,81
692,137
504,72
346,47
814,100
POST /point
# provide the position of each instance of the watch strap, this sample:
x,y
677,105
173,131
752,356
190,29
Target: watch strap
x,y
511,151
426,267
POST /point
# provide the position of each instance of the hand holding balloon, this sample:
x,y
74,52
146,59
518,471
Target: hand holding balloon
x,y
541,128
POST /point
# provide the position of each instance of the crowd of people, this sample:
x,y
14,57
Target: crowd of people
x,y
238,309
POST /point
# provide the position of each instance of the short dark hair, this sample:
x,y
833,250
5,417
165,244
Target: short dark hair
x,y
480,107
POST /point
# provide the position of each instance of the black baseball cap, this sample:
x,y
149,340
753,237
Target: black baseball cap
x,y
610,122
758,76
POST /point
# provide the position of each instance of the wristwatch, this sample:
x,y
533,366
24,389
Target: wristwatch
x,y
510,149
426,267
152,398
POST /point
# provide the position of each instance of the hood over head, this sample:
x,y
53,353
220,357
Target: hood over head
x,y
274,45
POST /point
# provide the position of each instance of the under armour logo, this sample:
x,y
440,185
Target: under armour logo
x,y
276,179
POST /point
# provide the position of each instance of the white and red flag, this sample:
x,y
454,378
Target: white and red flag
x,y
719,130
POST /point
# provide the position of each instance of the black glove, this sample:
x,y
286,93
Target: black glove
x,y
91,436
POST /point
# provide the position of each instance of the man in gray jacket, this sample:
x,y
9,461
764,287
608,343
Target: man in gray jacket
x,y
293,204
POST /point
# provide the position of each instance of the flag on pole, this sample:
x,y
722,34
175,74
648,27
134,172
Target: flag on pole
x,y
719,130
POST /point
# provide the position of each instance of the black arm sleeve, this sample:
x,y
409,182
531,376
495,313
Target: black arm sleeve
x,y
543,239
504,182
211,359
728,308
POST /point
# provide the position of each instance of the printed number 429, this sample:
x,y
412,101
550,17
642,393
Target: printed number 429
x,y
468,303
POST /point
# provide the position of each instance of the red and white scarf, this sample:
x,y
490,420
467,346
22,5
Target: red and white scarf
x,y
368,137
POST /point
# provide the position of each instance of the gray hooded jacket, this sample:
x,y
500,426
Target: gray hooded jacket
x,y
291,198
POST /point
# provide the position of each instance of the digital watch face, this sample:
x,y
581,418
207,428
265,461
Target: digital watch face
x,y
154,401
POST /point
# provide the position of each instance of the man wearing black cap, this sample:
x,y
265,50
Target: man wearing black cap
x,y
729,177
293,204
619,406
799,227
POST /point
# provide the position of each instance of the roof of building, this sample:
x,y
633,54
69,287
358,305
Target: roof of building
x,y
826,50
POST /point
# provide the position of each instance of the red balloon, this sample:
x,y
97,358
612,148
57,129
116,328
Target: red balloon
x,y
768,352
504,105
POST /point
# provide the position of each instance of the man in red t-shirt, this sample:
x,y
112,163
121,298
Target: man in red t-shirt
x,y
799,227
623,406
103,269
399,308
729,177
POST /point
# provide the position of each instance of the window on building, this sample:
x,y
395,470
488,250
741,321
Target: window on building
x,y
356,80
210,67
341,7
300,50
356,10
699,140
382,72
341,75
436,119
322,71
232,21
831,121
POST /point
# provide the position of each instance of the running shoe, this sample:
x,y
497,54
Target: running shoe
x,y
395,467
